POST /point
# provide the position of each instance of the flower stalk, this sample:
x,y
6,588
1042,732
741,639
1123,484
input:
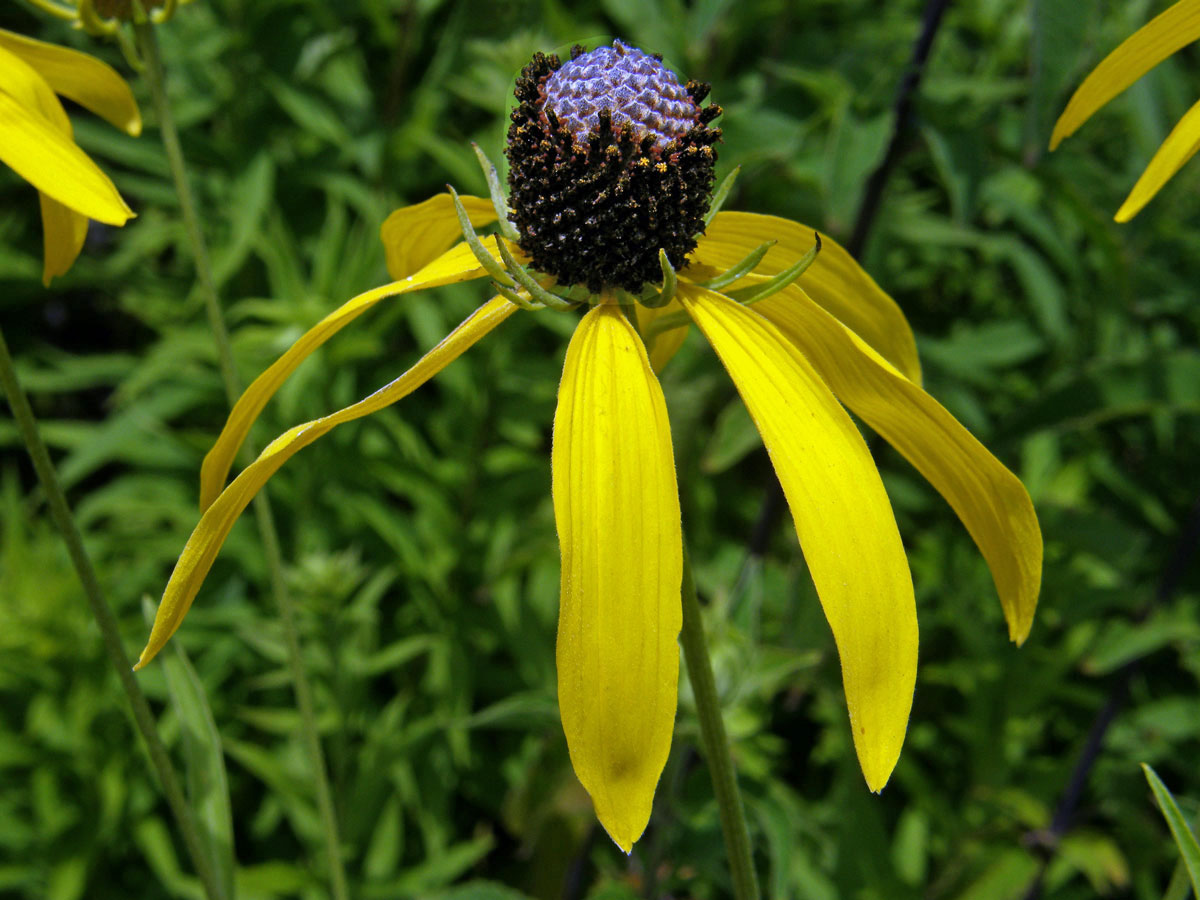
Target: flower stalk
x,y
155,75
60,512
716,742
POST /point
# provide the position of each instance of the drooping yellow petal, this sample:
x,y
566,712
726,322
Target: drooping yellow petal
x,y
63,231
663,347
845,522
1180,146
616,505
834,280
88,81
415,235
991,501
1174,28
50,161
455,265
217,521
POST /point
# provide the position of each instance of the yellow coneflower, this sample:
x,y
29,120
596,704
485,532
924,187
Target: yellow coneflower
x,y
37,142
611,166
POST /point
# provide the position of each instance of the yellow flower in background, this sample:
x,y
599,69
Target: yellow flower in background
x,y
1174,29
37,142
603,206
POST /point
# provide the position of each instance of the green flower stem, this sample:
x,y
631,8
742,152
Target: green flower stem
x,y
60,512
716,743
155,75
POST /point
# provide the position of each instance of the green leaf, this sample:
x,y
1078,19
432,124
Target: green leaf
x,y
1185,840
1006,878
733,438
1121,642
253,191
481,890
311,113
970,352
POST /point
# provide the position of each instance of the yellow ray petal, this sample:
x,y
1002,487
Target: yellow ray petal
x,y
846,527
455,265
37,151
616,505
1175,27
415,235
63,231
30,89
86,80
217,521
1180,146
835,280
667,344
991,502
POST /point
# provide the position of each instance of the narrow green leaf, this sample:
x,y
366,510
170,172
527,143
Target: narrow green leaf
x,y
496,190
486,259
254,190
204,761
733,437
745,267
1185,840
721,194
777,283
527,281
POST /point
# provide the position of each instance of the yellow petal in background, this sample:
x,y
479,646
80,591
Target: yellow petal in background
x,y
91,83
42,155
455,265
842,515
415,235
63,228
991,501
1180,146
834,280
616,505
217,521
63,231
1174,28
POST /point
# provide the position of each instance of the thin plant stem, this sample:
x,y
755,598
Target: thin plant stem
x,y
716,743
156,76
60,512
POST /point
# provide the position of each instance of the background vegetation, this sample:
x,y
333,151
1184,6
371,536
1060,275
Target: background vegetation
x,y
420,543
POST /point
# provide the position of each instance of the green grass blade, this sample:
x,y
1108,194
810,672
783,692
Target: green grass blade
x,y
1178,887
1185,840
204,762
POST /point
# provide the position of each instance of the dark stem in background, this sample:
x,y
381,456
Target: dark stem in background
x,y
902,121
1064,813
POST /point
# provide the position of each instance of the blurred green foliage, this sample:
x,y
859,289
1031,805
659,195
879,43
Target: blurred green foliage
x,y
421,541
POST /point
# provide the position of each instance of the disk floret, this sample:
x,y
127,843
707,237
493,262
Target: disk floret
x,y
610,160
